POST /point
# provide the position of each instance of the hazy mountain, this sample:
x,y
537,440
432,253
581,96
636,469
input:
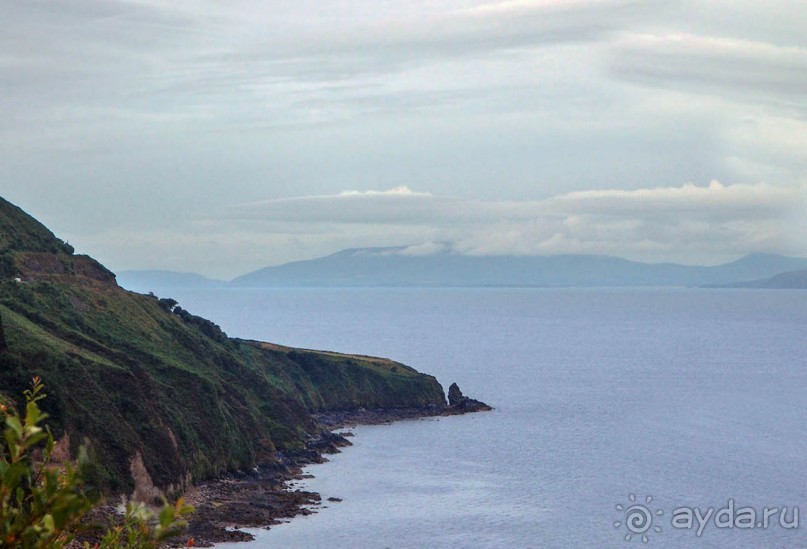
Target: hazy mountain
x,y
395,267
792,280
158,280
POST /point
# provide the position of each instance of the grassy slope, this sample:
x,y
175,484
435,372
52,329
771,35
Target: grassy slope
x,y
127,375
20,231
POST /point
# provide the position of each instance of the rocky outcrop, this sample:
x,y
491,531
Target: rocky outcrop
x,y
455,396
328,442
461,404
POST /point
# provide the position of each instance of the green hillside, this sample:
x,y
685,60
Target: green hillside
x,y
21,232
136,377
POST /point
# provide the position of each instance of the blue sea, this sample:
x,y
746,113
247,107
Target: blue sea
x,y
695,399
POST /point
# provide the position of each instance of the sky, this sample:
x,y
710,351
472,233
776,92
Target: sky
x,y
221,137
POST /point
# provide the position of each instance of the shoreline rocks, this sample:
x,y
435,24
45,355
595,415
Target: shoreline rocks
x,y
265,497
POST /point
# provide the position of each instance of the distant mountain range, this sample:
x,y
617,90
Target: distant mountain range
x,y
152,281
793,280
394,266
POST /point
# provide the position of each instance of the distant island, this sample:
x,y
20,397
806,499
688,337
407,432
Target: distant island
x,y
396,267
165,280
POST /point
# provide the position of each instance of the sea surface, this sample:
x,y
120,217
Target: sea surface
x,y
694,398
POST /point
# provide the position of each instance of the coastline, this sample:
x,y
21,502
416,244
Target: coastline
x,y
265,497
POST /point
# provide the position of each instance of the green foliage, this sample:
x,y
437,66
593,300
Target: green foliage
x,y
8,267
167,304
140,530
207,327
116,360
347,381
42,504
130,373
19,232
39,504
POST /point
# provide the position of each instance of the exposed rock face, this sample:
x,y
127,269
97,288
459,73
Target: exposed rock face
x,y
455,396
86,266
46,266
468,405
144,491
460,404
328,442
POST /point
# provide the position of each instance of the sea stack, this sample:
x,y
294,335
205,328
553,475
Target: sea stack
x,y
461,404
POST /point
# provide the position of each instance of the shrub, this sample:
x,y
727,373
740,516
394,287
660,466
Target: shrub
x,y
167,303
8,267
42,505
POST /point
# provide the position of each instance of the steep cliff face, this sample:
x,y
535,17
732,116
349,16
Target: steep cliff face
x,y
162,397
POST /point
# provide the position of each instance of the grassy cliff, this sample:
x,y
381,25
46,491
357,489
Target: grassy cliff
x,y
159,395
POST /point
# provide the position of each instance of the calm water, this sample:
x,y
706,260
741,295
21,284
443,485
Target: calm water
x,y
689,396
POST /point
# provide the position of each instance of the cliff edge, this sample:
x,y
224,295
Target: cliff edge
x,y
163,398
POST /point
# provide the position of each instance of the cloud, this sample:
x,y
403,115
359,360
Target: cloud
x,y
134,67
780,22
399,205
425,249
715,201
157,112
688,222
752,90
369,44
403,190
741,69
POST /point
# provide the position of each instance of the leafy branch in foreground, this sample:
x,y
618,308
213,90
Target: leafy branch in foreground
x,y
39,504
42,504
139,529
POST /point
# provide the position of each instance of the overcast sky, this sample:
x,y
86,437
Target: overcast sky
x,y
220,137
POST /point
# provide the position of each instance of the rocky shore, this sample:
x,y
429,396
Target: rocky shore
x,y
266,496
